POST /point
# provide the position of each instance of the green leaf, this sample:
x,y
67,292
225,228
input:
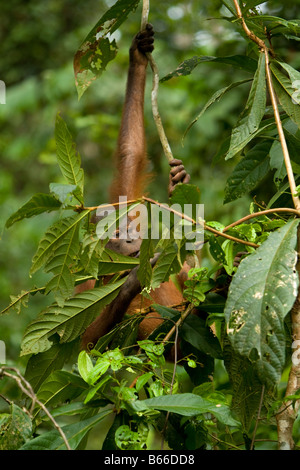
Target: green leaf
x,y
293,143
216,250
112,262
17,302
68,159
63,281
38,204
261,293
243,378
293,73
248,172
238,61
187,404
185,194
166,265
53,238
195,331
277,24
249,4
126,439
92,250
216,97
74,433
63,192
277,163
144,273
286,94
253,113
15,429
85,365
40,366
97,49
69,321
59,387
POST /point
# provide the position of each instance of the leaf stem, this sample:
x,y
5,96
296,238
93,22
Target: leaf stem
x,y
265,212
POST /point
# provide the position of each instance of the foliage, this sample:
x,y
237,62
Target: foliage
x,y
242,301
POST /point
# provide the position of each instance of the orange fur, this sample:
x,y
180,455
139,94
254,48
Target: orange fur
x,y
130,181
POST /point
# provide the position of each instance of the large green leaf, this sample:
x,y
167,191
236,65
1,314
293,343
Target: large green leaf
x,y
245,383
144,273
286,93
16,428
248,172
63,281
38,204
112,262
69,321
40,366
196,332
261,293
278,25
166,265
98,49
253,113
54,237
187,404
74,433
68,159
59,387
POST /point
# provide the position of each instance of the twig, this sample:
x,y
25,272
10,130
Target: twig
x,y
205,227
178,323
189,219
265,212
26,388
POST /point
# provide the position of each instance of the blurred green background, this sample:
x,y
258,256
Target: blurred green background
x,y
38,42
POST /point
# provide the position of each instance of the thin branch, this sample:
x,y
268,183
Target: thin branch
x,y
205,227
265,212
156,116
248,32
26,388
178,323
186,217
